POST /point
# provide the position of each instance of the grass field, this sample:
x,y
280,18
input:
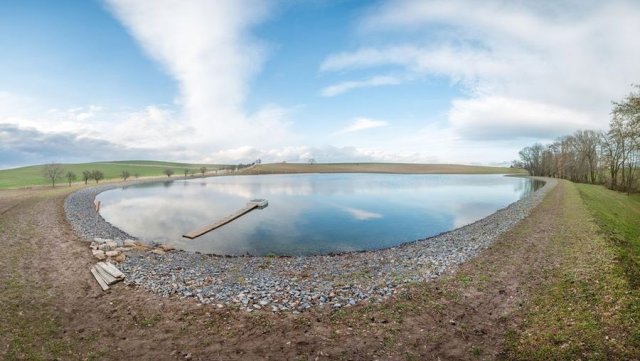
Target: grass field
x,y
618,215
407,168
32,175
593,311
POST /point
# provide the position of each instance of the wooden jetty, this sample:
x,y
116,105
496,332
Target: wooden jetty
x,y
251,205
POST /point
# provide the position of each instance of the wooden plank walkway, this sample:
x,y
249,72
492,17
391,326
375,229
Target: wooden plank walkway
x,y
253,204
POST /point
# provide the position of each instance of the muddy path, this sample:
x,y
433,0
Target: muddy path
x,y
53,308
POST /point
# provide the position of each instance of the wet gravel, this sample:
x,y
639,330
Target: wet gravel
x,y
81,214
295,284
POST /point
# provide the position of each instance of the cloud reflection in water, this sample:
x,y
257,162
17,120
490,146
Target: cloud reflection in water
x,y
309,213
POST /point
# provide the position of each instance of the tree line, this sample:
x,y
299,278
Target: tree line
x,y
55,172
610,157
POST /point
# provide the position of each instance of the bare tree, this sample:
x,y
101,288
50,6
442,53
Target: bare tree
x,y
625,127
169,172
532,159
97,175
611,154
587,146
125,174
52,172
70,177
203,170
312,161
611,157
86,175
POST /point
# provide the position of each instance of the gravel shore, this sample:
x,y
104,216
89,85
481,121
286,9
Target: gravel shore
x,y
294,284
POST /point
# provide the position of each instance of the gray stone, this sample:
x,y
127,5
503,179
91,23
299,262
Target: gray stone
x,y
99,255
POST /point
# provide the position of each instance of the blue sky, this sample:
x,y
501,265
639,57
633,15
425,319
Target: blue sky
x,y
232,81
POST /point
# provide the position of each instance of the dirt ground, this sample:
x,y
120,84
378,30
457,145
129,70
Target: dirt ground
x,y
53,309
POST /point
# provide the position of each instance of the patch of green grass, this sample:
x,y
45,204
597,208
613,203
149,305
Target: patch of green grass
x,y
32,333
32,175
303,321
618,216
261,321
465,280
389,340
590,311
151,320
476,351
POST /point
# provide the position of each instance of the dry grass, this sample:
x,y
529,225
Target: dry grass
x,y
402,168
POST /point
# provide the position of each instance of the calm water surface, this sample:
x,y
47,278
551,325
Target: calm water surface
x,y
308,213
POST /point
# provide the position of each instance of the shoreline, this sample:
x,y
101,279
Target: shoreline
x,y
296,283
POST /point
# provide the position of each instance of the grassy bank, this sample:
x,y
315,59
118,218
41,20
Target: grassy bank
x,y
32,175
592,309
406,168
618,216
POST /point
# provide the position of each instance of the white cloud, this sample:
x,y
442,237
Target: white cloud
x,y
362,123
529,69
346,86
208,48
461,64
496,118
323,154
362,215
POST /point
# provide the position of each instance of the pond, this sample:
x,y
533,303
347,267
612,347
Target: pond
x,y
308,213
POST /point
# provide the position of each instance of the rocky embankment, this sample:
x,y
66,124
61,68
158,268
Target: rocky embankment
x,y
293,284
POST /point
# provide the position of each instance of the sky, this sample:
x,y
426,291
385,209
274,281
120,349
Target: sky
x,y
232,81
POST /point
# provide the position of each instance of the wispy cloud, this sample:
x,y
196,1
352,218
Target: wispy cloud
x,y
346,86
511,59
361,124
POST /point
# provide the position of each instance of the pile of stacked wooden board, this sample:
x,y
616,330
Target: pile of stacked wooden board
x,y
106,274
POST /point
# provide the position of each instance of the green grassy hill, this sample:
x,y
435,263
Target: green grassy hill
x,y
32,175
